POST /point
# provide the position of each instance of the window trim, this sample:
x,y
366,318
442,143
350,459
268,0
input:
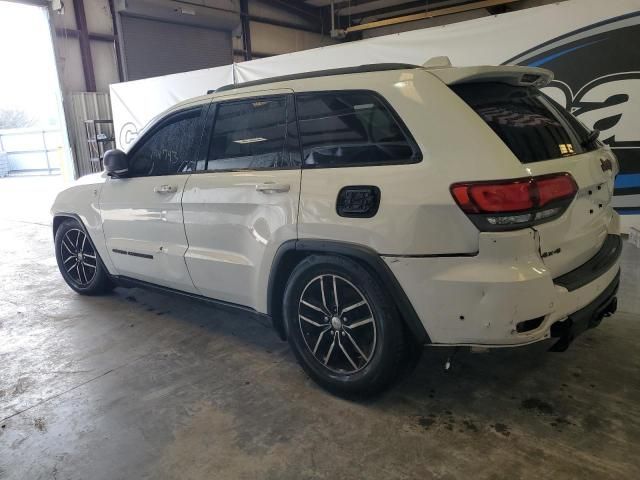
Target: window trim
x,y
210,124
161,124
417,156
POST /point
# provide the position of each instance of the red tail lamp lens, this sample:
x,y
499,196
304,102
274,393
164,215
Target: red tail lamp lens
x,y
555,188
511,197
518,195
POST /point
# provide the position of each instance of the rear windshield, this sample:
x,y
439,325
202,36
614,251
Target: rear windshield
x,y
531,124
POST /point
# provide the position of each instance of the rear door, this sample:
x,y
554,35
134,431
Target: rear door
x,y
142,214
547,139
242,202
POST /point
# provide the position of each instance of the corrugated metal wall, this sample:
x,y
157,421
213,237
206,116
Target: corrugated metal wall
x,y
86,106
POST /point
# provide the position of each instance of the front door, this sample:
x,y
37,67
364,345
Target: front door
x,y
242,203
142,214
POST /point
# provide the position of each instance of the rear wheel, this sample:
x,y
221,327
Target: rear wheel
x,y
78,261
343,327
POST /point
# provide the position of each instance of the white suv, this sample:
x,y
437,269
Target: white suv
x,y
367,211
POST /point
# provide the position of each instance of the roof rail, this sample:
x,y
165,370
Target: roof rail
x,y
376,67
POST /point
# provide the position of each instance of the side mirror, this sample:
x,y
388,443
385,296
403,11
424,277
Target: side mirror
x,y
116,163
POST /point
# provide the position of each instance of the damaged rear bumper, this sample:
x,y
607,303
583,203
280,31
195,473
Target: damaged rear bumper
x,y
505,296
588,317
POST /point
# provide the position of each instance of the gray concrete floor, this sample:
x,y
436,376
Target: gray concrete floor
x,y
141,385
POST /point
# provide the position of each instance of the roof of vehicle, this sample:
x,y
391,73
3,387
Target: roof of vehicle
x,y
517,75
438,66
375,67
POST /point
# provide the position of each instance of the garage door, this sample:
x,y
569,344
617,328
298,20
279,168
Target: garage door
x,y
153,47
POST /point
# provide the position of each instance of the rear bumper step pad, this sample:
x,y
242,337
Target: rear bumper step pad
x,y
599,264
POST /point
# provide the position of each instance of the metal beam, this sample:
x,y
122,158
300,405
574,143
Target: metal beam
x,y
35,3
85,46
280,23
424,15
398,9
246,28
74,33
254,55
297,8
116,40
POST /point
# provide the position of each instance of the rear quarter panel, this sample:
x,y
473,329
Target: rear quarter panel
x,y
417,214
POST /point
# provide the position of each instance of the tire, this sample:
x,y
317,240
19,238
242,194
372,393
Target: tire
x,y
368,339
78,260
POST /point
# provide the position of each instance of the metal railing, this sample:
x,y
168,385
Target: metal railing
x,y
32,150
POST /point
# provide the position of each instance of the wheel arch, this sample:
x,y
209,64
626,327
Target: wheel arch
x,y
59,218
291,252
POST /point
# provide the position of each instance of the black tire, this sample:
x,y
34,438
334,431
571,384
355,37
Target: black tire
x,y
78,260
369,354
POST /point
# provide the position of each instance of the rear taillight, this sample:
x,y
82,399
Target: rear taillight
x,y
517,203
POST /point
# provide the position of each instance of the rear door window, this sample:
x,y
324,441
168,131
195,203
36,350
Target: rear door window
x,y
351,128
252,134
532,125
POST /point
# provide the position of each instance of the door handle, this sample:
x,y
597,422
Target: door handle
x,y
271,187
165,189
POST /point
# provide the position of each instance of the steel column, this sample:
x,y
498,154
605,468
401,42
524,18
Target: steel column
x,y
85,46
246,28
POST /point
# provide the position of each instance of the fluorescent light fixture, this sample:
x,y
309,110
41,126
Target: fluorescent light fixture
x,y
250,140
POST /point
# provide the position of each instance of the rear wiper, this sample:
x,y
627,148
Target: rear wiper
x,y
591,137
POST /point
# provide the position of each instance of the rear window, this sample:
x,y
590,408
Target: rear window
x,y
531,124
351,128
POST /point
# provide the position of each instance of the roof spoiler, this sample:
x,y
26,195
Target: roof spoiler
x,y
513,75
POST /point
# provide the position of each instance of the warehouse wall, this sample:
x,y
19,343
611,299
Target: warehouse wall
x,y
67,46
291,32
268,40
276,30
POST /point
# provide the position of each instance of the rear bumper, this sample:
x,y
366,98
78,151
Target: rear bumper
x,y
505,296
606,257
587,317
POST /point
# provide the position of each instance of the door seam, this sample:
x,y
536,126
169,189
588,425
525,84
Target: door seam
x,y
186,237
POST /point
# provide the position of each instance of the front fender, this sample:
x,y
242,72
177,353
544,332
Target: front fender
x,y
81,201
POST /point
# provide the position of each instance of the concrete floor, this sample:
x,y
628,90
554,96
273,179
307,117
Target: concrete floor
x,y
140,385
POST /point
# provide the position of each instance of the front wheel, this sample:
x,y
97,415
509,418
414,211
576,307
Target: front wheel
x,y
342,326
78,261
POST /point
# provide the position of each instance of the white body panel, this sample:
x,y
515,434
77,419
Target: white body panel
x,y
234,231
417,213
580,232
144,229
215,234
83,199
479,300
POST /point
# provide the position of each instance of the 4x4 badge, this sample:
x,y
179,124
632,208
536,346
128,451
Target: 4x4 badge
x,y
606,165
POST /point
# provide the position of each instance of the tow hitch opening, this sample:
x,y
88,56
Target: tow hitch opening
x,y
567,330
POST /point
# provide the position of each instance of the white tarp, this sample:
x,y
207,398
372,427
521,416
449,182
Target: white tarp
x,y
134,104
